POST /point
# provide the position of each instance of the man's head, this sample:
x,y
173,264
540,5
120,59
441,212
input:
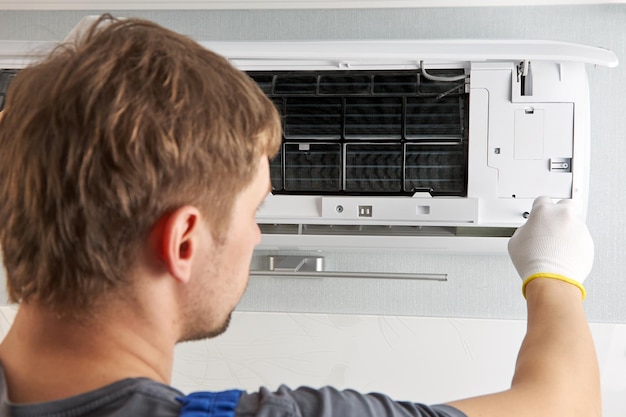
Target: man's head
x,y
102,139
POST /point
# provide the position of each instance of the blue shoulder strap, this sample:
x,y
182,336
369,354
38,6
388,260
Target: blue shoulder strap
x,y
210,404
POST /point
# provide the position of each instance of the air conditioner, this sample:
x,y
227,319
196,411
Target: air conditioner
x,y
419,145
414,145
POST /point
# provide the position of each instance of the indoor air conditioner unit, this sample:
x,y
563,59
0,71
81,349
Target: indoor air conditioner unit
x,y
419,145
413,145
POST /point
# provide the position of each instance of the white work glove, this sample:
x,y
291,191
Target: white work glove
x,y
554,243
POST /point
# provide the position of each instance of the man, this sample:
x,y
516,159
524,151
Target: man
x,y
132,165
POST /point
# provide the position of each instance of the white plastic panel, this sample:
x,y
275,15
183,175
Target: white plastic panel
x,y
345,54
252,55
529,133
390,209
368,209
17,54
523,160
517,140
435,244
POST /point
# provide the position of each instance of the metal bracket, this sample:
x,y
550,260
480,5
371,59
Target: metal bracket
x,y
561,164
313,267
296,263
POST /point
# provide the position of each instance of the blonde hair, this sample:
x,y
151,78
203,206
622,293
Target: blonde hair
x,y
105,136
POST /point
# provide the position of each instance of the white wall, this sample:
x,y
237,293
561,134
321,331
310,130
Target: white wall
x,y
428,360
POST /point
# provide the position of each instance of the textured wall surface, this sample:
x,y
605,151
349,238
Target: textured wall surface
x,y
419,359
477,286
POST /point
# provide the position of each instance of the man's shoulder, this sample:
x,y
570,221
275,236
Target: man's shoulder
x,y
136,396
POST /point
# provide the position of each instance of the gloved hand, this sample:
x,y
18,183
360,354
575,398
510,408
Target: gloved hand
x,y
554,243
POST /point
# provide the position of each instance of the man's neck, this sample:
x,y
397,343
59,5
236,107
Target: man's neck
x,y
48,358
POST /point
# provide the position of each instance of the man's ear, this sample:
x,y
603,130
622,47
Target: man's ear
x,y
177,240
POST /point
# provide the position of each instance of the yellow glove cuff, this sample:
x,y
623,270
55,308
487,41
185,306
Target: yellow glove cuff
x,y
554,276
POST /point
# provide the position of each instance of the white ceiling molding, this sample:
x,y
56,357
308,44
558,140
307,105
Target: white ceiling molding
x,y
271,4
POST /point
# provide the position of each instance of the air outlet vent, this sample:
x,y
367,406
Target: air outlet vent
x,y
369,132
5,79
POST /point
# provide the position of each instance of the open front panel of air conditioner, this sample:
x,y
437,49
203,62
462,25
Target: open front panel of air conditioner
x,y
417,145
412,145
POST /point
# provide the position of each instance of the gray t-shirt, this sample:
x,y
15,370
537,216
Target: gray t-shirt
x,y
142,397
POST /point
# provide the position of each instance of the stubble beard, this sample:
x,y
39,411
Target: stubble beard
x,y
199,323
194,331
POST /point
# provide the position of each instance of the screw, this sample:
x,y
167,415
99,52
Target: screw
x,y
339,209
